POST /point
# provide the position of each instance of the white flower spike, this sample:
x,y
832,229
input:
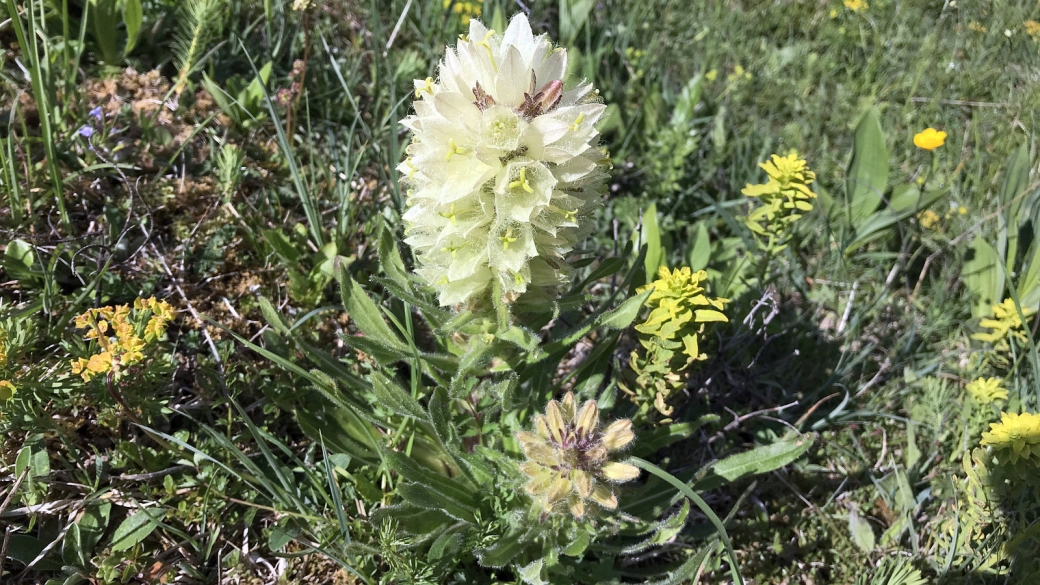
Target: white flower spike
x,y
504,166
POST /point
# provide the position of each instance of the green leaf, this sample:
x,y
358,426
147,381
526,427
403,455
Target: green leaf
x,y
423,497
624,314
395,398
868,174
365,313
700,252
132,17
447,487
650,236
873,227
390,257
447,544
1016,180
272,316
134,529
759,460
862,533
19,260
503,551
660,437
980,272
25,549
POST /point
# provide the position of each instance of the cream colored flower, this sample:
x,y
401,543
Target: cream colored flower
x,y
503,168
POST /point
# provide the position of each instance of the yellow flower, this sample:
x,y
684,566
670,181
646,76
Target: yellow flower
x,y
1018,432
976,26
929,139
987,390
962,210
7,390
568,457
97,364
1005,321
1032,28
928,219
856,5
711,75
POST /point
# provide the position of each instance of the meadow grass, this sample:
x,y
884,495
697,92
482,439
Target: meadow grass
x,y
238,160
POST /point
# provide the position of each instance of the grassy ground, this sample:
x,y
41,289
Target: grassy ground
x,y
164,167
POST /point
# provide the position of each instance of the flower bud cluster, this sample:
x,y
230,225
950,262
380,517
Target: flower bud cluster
x,y
568,457
503,168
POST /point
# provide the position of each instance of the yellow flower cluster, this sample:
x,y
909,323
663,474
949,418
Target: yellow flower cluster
x,y
568,457
987,390
679,313
1018,432
465,9
976,26
929,220
121,334
856,5
678,308
7,390
1005,322
1032,29
785,197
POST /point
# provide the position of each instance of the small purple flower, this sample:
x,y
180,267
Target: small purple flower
x,y
96,113
85,131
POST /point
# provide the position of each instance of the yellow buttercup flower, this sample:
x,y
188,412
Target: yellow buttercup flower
x,y
987,390
929,139
7,390
856,5
1018,432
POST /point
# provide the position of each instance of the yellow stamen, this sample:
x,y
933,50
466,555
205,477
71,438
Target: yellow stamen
x,y
507,239
450,215
428,88
453,149
578,121
521,181
411,167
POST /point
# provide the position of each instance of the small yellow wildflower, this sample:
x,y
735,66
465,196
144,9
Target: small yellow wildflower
x,y
116,331
929,219
1018,432
976,26
7,390
1032,28
987,390
568,457
711,75
1006,321
785,197
929,139
962,210
856,5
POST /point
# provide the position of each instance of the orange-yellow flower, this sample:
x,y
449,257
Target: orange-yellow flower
x,y
7,390
929,139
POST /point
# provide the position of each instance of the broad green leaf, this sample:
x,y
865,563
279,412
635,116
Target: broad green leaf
x,y
868,174
650,236
132,16
624,314
700,251
272,316
392,396
135,528
18,260
862,533
980,272
577,546
412,519
874,226
25,549
759,460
